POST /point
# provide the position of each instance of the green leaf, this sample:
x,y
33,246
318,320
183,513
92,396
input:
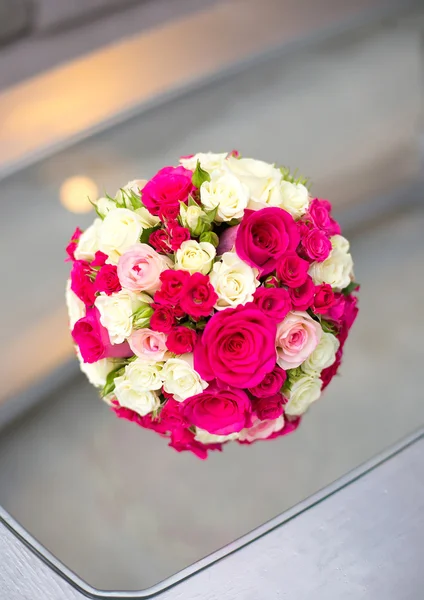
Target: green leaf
x,y
328,327
350,288
294,177
191,201
200,176
211,237
144,238
110,381
94,205
210,215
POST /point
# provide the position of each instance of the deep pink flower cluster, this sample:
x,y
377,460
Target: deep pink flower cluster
x,y
230,369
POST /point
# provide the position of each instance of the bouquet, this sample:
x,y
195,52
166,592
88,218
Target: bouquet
x,y
212,302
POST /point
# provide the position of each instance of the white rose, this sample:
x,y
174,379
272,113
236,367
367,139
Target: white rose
x,y
294,198
234,281
205,437
135,186
340,242
76,308
190,216
116,313
144,375
97,372
89,241
262,179
209,161
193,256
180,379
226,192
105,205
304,391
323,356
147,220
142,403
337,269
120,230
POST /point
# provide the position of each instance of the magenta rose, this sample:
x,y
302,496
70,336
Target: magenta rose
x,y
237,347
183,440
171,416
270,385
328,373
177,235
93,340
319,213
166,189
274,302
323,300
269,408
302,297
264,236
219,410
81,282
292,270
107,280
316,245
172,286
181,340
163,318
73,243
159,240
198,296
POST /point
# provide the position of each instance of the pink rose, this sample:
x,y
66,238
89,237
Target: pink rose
x,y
168,187
81,283
227,240
292,270
172,287
73,243
316,245
93,340
274,302
319,213
163,319
264,236
297,337
148,344
237,347
107,280
181,340
198,297
271,384
219,410
269,408
261,430
140,267
323,300
302,297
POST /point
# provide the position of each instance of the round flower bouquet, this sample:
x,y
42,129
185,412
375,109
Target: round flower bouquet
x,y
211,303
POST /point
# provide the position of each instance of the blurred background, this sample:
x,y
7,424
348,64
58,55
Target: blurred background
x,y
94,93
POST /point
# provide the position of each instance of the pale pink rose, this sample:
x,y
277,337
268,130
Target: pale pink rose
x,y
261,430
148,344
297,337
140,267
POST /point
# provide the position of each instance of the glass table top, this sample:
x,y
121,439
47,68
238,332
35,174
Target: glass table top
x,y
111,501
